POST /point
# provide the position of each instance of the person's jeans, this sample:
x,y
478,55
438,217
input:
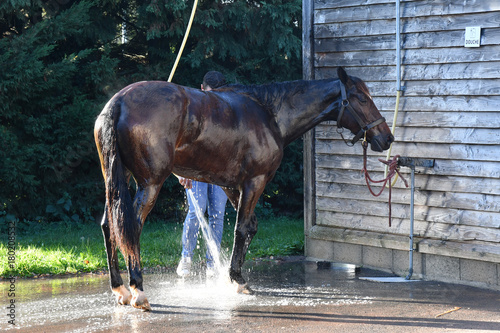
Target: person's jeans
x,y
208,196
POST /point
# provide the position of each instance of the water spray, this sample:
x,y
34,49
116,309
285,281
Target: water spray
x,y
207,233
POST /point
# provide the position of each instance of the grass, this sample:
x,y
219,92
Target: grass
x,y
61,248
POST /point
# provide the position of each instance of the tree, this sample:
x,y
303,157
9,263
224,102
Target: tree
x,y
50,87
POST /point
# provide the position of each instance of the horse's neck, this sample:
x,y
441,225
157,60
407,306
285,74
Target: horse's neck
x,y
308,109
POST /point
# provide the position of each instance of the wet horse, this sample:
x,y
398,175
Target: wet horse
x,y
233,137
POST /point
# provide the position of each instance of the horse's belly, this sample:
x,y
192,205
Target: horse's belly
x,y
227,165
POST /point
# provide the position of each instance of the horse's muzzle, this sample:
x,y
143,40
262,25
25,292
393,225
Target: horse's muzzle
x,y
381,142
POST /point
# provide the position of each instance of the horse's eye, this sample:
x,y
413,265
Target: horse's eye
x,y
362,99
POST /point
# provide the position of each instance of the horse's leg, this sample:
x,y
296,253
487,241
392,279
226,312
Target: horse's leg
x,y
233,196
144,201
121,293
139,299
246,228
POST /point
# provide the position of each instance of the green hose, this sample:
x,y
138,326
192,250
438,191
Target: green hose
x,y
193,11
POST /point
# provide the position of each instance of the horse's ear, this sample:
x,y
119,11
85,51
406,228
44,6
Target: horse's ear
x,y
344,78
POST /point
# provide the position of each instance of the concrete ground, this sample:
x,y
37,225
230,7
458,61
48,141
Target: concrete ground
x,y
291,295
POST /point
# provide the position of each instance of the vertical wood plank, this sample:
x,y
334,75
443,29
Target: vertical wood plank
x,y
308,138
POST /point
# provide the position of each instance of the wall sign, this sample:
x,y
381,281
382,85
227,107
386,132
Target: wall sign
x,y
472,36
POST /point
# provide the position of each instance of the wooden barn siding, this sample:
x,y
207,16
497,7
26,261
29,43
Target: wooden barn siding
x,y
449,111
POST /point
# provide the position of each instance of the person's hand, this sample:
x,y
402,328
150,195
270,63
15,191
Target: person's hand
x,y
187,183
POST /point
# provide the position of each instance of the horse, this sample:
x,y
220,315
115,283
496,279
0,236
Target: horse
x,y
232,136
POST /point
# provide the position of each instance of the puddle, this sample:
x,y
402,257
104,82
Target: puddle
x,y
286,294
84,304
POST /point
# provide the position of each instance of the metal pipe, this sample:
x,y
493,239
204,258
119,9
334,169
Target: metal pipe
x,y
398,80
411,163
412,200
398,45
398,84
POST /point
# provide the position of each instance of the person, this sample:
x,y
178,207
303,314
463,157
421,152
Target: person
x,y
208,196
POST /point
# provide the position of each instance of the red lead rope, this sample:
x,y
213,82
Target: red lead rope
x,y
393,170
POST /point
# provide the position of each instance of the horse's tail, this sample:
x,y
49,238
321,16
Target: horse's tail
x,y
123,226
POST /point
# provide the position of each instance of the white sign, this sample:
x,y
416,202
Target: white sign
x,y
472,36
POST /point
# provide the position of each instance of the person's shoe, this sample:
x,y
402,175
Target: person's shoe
x,y
184,267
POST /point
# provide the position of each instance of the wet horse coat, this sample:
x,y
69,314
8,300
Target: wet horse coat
x,y
233,137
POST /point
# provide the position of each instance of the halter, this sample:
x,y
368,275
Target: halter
x,y
364,127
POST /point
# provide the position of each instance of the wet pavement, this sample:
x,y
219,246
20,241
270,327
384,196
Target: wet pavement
x,y
291,295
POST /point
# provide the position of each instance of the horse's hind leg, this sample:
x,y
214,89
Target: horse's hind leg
x,y
139,299
144,201
121,293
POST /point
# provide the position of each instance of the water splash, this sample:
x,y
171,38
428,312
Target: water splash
x,y
220,265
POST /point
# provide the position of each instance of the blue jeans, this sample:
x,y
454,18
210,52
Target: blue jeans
x,y
208,196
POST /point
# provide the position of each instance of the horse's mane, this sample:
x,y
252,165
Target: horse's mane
x,y
270,95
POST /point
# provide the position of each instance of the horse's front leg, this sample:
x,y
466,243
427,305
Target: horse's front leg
x,y
243,235
245,230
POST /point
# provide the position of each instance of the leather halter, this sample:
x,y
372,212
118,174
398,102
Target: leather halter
x,y
364,127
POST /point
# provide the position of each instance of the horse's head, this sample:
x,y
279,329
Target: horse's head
x,y
359,114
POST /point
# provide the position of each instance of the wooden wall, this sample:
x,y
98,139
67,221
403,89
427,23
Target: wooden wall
x,y
449,111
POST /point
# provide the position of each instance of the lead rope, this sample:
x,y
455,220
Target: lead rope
x,y
392,165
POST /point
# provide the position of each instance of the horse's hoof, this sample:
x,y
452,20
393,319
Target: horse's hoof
x,y
139,300
144,306
244,289
122,295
